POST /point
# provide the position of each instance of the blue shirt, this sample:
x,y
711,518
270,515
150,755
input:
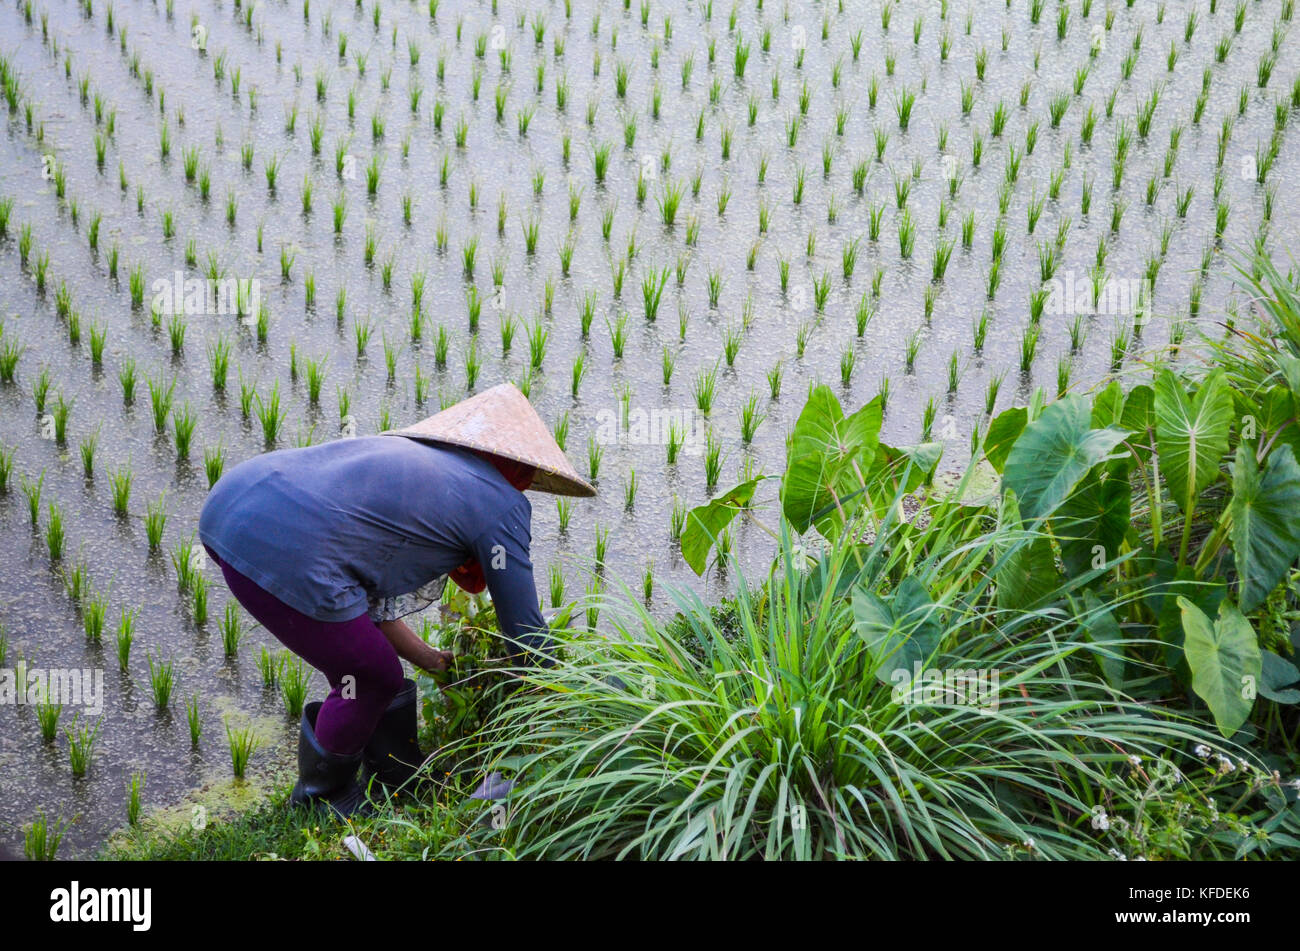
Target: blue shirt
x,y
326,528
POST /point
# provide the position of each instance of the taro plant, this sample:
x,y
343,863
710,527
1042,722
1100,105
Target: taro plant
x,y
162,681
975,585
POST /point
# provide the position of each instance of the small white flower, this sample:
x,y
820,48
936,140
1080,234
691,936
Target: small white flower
x,y
1135,760
1202,751
1029,844
1117,855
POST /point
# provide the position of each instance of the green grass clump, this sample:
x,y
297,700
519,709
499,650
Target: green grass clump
x,y
243,743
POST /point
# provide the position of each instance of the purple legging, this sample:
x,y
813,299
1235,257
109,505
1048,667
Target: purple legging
x,y
362,667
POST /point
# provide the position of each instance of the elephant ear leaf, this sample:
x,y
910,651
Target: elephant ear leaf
x,y
812,444
1225,662
1054,453
1025,572
1279,681
705,523
1002,435
1091,524
1108,405
900,631
823,446
1264,529
1138,409
1191,433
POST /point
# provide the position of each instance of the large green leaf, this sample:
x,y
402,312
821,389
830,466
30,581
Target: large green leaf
x,y
823,447
1053,453
1171,582
1108,405
901,630
1027,573
705,523
902,469
1265,529
1279,680
818,576
1003,433
1139,409
1091,524
1290,367
1225,662
1273,415
1191,433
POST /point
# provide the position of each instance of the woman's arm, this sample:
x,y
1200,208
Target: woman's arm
x,y
503,551
409,646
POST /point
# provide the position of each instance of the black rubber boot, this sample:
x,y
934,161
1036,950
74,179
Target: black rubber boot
x,y
325,778
393,754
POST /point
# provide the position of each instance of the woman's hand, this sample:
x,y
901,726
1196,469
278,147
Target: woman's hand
x,y
439,661
410,647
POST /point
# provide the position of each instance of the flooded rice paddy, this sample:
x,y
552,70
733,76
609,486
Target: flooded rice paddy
x,y
663,220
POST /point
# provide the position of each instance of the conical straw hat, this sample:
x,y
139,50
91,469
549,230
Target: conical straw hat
x,y
502,421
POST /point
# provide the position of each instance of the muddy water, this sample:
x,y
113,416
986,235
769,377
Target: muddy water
x,y
43,624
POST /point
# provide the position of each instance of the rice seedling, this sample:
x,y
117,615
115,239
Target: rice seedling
x,y
243,743
214,463
566,252
714,282
268,666
939,263
81,745
94,608
750,419
155,521
991,390
538,336
704,389
912,348
199,599
295,679
184,422
47,719
55,535
561,430
595,452
618,334
1119,346
652,288
271,415
76,581
630,484
133,806
712,459
906,234
731,341
41,839
472,364
10,353
162,681
1029,346
194,720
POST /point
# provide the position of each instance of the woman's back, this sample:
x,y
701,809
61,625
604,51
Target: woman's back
x,y
325,527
